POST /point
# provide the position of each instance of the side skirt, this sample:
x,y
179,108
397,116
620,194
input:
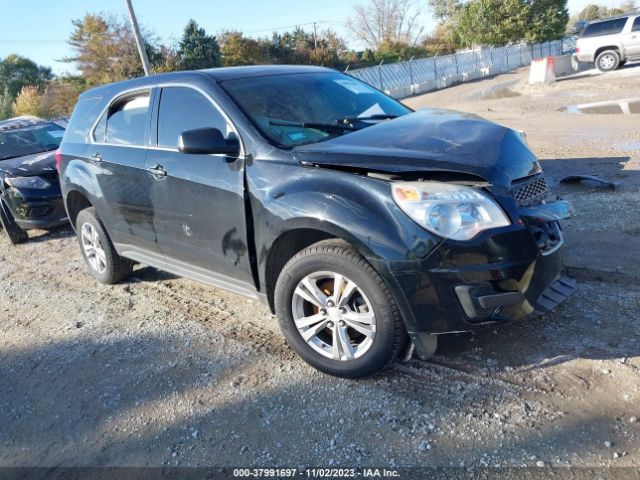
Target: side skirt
x,y
189,271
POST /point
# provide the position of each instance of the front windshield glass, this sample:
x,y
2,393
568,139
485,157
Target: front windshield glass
x,y
18,142
296,109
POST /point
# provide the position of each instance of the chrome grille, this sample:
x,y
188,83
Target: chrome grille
x,y
529,191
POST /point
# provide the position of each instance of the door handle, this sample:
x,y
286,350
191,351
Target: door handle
x,y
158,171
96,158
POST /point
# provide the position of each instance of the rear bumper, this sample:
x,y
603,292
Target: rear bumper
x,y
582,58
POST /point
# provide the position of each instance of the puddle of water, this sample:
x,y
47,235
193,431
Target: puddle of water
x,y
502,90
616,107
631,146
501,93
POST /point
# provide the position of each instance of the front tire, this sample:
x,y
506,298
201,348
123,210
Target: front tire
x,y
103,261
608,60
337,313
14,232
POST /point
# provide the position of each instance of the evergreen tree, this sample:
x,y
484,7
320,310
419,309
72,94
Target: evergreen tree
x,y
6,104
197,49
548,20
499,22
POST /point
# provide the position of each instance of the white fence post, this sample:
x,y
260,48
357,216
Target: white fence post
x,y
411,72
435,69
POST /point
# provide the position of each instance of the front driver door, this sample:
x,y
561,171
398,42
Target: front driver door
x,y
198,199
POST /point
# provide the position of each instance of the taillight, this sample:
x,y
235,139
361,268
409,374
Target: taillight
x,y
577,49
58,159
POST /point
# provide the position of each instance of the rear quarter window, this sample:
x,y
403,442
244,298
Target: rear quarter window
x,y
84,115
636,25
609,27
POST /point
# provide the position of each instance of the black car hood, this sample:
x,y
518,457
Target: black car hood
x,y
29,165
429,141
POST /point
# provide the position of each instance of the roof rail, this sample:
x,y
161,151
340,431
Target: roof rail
x,y
635,11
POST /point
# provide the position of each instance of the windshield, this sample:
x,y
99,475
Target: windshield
x,y
297,109
19,142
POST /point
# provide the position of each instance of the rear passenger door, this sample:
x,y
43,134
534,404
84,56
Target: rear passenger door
x,y
117,156
198,199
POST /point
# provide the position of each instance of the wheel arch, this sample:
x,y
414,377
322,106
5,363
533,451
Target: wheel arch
x,y
75,202
299,235
599,50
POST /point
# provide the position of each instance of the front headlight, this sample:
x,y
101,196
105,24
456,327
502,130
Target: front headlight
x,y
451,211
38,183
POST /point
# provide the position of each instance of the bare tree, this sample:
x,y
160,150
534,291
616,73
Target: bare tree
x,y
386,21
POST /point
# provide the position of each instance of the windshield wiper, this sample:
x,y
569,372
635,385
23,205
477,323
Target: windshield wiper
x,y
377,116
327,127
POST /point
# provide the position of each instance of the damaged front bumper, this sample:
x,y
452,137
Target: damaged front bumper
x,y
501,276
33,208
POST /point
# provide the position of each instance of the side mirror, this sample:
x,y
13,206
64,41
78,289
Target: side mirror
x,y
206,141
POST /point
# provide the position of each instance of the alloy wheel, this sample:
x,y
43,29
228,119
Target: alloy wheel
x,y
93,249
333,316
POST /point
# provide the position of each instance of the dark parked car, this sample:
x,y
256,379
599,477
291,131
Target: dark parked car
x,y
360,223
29,188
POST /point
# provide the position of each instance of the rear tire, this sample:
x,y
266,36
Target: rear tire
x,y
103,261
349,318
14,232
608,60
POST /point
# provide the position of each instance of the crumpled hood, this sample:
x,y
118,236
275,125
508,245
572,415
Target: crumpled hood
x,y
430,140
29,165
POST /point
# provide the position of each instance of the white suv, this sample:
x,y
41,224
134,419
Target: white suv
x,y
610,43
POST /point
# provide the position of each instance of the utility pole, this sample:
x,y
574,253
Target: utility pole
x,y
315,36
138,37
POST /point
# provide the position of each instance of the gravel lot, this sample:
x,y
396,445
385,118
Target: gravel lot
x,y
164,371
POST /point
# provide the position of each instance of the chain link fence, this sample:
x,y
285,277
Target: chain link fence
x,y
422,75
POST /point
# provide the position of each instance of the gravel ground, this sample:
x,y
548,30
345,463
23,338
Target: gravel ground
x,y
163,371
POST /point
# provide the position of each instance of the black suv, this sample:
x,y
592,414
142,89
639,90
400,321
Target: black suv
x,y
30,195
360,223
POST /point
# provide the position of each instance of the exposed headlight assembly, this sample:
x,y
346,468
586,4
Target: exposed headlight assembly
x,y
450,211
37,183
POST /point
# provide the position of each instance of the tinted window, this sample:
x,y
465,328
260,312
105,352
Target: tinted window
x,y
84,115
127,121
610,27
18,142
273,101
184,109
636,25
